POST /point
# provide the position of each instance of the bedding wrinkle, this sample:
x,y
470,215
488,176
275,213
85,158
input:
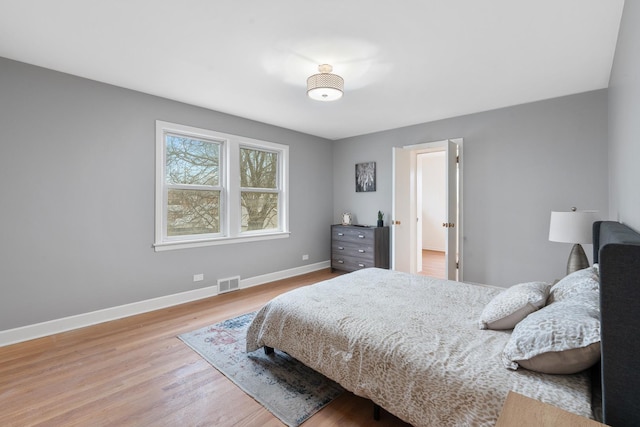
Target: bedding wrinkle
x,y
409,343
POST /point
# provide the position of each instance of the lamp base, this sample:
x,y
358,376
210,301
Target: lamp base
x,y
577,259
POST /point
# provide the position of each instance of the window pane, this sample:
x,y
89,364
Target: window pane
x,y
259,211
193,212
258,169
192,161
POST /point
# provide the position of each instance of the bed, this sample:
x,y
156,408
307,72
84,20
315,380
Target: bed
x,y
437,352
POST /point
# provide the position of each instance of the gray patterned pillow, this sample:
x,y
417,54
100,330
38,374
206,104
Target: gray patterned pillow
x,y
576,283
509,307
561,338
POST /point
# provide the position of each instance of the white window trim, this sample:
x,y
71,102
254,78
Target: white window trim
x,y
281,176
230,221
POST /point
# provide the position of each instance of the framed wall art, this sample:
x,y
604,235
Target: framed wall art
x,y
365,177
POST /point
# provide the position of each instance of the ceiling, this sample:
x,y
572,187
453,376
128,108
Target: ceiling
x,y
403,63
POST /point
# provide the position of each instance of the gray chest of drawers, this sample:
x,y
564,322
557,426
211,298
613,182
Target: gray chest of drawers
x,y
354,247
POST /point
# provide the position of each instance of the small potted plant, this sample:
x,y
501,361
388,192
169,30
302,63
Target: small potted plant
x,y
380,221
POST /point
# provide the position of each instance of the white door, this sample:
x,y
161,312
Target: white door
x,y
404,207
451,223
403,211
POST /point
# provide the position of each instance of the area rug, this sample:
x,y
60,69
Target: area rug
x,y
288,389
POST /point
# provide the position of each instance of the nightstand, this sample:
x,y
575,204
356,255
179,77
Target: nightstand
x,y
522,411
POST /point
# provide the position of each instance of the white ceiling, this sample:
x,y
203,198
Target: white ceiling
x,y
403,62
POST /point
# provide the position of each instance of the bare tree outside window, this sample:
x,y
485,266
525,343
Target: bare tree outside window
x,y
215,188
259,189
192,173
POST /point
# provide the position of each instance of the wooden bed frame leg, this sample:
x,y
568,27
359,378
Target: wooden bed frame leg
x,y
268,350
376,412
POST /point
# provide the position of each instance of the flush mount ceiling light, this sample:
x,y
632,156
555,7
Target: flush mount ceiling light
x,y
325,86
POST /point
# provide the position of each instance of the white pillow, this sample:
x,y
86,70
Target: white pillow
x,y
509,307
576,283
561,338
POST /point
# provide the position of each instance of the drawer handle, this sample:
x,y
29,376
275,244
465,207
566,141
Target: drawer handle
x,y
361,251
361,236
360,265
340,248
340,261
340,234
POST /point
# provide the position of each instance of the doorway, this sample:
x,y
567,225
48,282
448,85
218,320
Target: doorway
x,y
406,220
432,208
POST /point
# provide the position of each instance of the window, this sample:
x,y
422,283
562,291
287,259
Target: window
x,y
192,179
259,190
214,188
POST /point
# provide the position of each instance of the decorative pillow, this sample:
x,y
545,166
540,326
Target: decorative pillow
x,y
564,362
509,307
575,283
561,338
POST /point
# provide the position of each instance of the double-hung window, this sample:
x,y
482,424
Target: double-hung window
x,y
214,188
260,191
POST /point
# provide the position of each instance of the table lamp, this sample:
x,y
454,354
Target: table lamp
x,y
573,227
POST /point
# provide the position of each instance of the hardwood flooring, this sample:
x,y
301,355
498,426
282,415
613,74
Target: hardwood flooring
x,y
433,264
136,372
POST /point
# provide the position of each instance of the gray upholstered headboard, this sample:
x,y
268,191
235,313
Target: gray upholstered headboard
x,y
616,248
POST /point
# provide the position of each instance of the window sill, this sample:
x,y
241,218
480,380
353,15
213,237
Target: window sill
x,y
186,244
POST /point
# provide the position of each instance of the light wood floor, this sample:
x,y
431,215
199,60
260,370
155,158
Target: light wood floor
x,y
433,264
135,372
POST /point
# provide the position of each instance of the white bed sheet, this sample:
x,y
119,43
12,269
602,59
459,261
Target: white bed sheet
x,y
410,344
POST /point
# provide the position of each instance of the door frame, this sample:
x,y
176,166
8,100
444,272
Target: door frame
x,y
428,147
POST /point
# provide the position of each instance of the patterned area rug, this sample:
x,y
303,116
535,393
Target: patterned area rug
x,y
288,389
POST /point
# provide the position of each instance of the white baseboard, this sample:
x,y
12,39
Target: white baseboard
x,y
38,330
284,274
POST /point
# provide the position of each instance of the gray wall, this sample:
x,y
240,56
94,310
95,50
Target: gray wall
x,y
520,163
77,185
624,121
77,198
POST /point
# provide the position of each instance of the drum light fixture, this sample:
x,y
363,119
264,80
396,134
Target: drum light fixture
x,y
325,86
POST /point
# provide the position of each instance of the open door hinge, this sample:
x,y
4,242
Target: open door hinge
x,y
457,265
457,159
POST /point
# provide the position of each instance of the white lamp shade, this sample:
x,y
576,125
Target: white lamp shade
x,y
572,227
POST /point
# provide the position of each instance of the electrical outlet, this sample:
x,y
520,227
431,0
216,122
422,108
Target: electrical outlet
x,y
305,257
198,277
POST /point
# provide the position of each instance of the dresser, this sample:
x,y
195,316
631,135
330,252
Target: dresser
x,y
355,247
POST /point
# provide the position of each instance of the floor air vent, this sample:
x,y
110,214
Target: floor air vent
x,y
228,284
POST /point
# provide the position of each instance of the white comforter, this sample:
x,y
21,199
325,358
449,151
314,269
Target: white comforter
x,y
410,344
